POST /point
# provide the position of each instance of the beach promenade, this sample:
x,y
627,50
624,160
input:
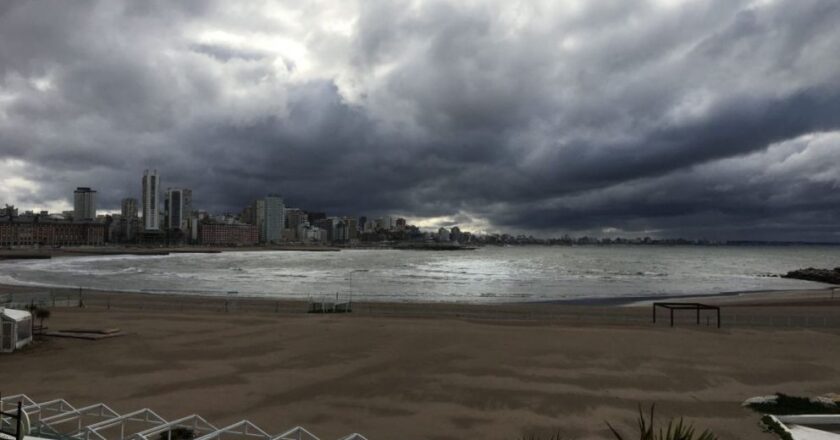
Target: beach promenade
x,y
433,371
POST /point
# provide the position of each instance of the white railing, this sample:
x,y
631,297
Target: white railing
x,y
48,417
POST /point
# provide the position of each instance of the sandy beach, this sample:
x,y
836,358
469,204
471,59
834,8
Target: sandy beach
x,y
440,371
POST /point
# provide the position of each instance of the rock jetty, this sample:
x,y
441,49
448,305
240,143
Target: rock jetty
x,y
831,276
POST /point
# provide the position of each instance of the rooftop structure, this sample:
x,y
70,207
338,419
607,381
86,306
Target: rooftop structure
x,y
58,419
15,329
808,426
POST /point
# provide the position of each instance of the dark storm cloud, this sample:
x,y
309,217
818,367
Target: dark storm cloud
x,y
701,118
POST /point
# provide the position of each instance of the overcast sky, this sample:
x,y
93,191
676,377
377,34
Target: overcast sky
x,y
716,119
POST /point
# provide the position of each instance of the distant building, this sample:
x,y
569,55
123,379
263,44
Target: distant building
x,y
128,222
84,204
274,219
294,218
193,229
327,225
151,201
8,212
340,233
389,223
32,232
443,235
224,234
259,218
128,208
313,217
352,225
248,215
178,208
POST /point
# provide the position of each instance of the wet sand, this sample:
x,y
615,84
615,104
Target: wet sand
x,y
434,371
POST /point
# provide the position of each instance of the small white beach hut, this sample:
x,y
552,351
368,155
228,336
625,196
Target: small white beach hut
x,y
15,329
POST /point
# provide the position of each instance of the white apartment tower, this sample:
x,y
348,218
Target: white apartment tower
x,y
151,201
84,204
275,218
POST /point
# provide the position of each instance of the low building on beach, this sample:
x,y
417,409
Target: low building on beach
x,y
15,329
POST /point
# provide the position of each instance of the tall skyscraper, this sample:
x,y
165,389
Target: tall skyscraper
x,y
275,219
129,208
151,201
178,208
129,222
84,204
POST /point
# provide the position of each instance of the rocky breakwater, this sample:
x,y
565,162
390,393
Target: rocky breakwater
x,y
830,276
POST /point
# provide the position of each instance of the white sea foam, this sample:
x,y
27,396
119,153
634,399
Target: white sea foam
x,y
485,275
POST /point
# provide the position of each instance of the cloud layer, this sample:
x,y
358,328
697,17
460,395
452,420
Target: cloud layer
x,y
717,119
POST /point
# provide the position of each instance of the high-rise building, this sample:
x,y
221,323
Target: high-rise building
x,y
178,208
352,227
389,223
151,201
294,218
259,218
128,222
129,208
248,215
84,204
274,220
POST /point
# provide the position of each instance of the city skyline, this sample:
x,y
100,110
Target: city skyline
x,y
697,119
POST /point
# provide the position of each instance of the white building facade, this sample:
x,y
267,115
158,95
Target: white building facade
x,y
84,204
151,201
274,219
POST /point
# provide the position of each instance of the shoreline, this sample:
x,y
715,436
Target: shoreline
x,y
736,298
8,283
45,253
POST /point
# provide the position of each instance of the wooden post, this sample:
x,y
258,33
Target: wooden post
x,y
654,313
18,434
672,317
718,316
698,315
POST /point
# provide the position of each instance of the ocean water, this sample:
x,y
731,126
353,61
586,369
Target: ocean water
x,y
486,275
